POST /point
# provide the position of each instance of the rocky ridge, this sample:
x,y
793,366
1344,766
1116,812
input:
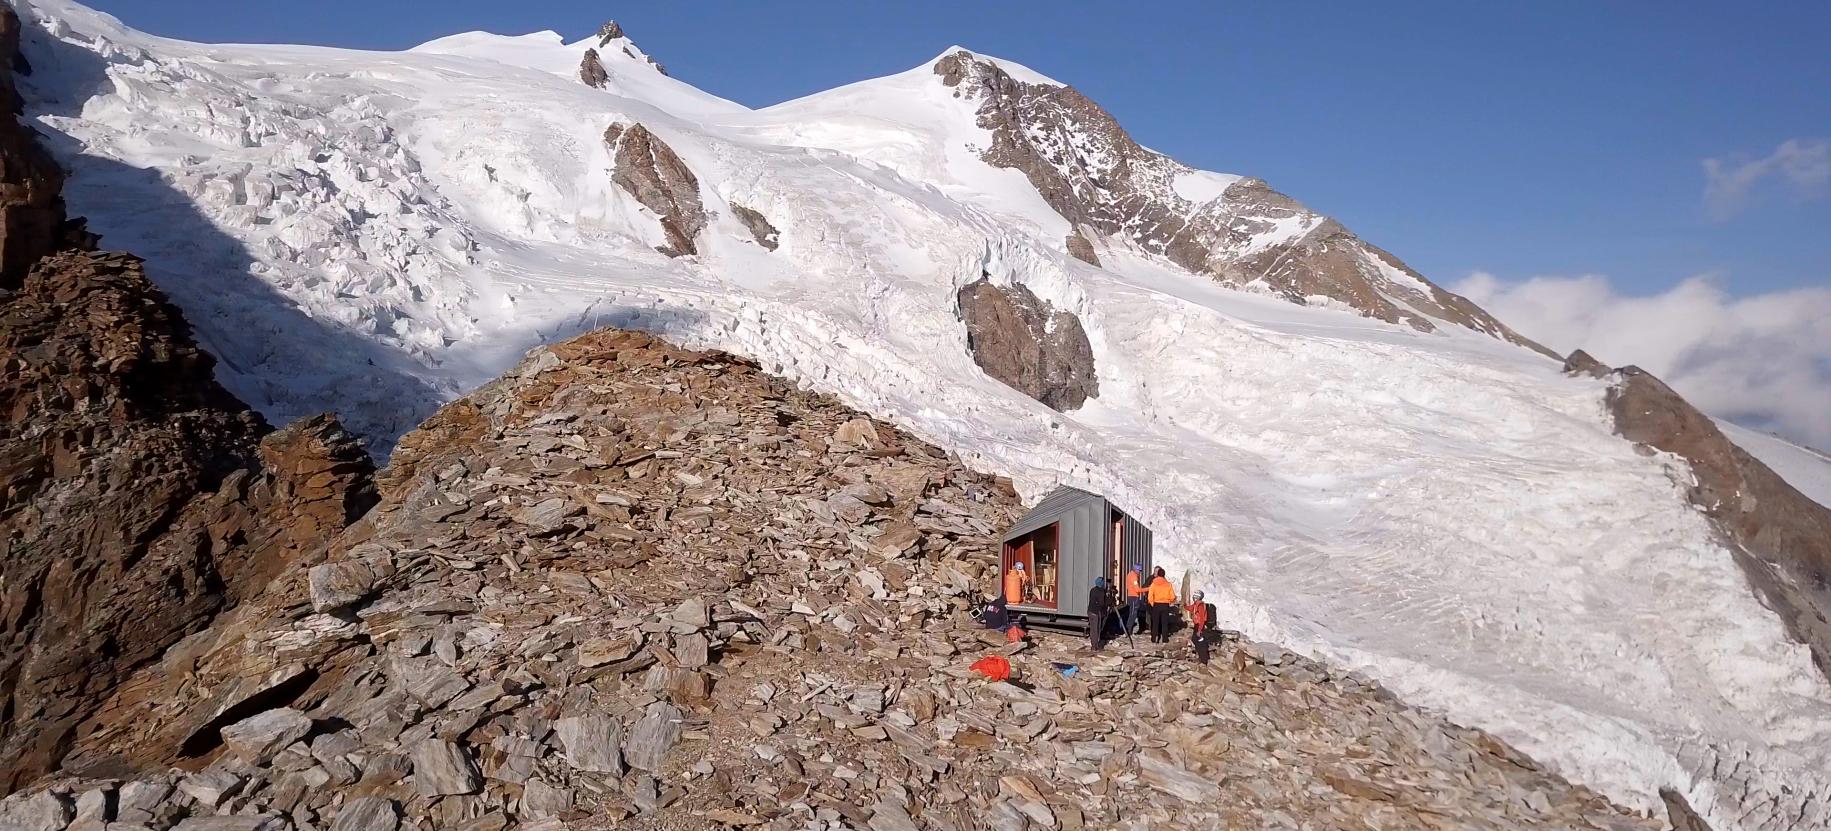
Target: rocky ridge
x,y
1110,188
1782,537
633,586
137,497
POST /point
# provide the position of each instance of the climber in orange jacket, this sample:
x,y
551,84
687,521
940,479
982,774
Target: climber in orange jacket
x,y
1134,598
1162,597
1015,583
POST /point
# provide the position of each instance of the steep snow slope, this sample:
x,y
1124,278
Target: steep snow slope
x,y
1803,468
374,232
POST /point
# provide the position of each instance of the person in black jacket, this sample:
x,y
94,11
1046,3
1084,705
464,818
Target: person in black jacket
x,y
1099,605
994,615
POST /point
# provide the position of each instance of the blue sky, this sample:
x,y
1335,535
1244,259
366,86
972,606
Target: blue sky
x,y
1546,138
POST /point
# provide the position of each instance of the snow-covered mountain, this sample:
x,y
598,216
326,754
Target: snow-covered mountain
x,y
1348,457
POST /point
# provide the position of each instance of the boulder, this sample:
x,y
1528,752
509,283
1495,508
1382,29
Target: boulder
x,y
42,811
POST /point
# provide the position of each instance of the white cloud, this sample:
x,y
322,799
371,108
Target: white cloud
x,y
1802,165
1762,361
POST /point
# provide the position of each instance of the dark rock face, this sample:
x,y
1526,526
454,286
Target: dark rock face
x,y
137,496
591,70
1086,167
1028,345
31,184
1781,537
1679,812
766,234
650,171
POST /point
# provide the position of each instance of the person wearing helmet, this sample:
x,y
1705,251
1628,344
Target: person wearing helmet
x,y
1134,598
1162,597
1198,626
1099,605
1016,582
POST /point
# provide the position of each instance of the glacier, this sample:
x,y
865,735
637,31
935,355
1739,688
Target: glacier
x,y
377,232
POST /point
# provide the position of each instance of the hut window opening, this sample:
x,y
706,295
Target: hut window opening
x,y
1040,553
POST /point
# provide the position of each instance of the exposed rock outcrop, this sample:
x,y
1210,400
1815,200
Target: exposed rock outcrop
x,y
1086,167
137,496
764,233
1080,248
31,184
591,70
1679,812
637,586
1028,344
648,169
1781,537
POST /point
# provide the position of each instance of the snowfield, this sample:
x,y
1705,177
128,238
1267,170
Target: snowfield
x,y
376,233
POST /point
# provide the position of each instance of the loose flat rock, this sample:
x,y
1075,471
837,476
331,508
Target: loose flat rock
x,y
211,786
592,742
600,651
1176,781
549,516
858,432
336,585
889,816
444,768
652,737
232,823
429,681
693,612
367,813
256,738
543,800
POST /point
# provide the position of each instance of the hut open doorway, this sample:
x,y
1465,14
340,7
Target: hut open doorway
x,y
1040,552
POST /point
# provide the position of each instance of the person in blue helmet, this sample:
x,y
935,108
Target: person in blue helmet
x,y
1099,605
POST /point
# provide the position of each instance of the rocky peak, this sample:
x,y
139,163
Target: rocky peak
x,y
1091,171
611,32
649,170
